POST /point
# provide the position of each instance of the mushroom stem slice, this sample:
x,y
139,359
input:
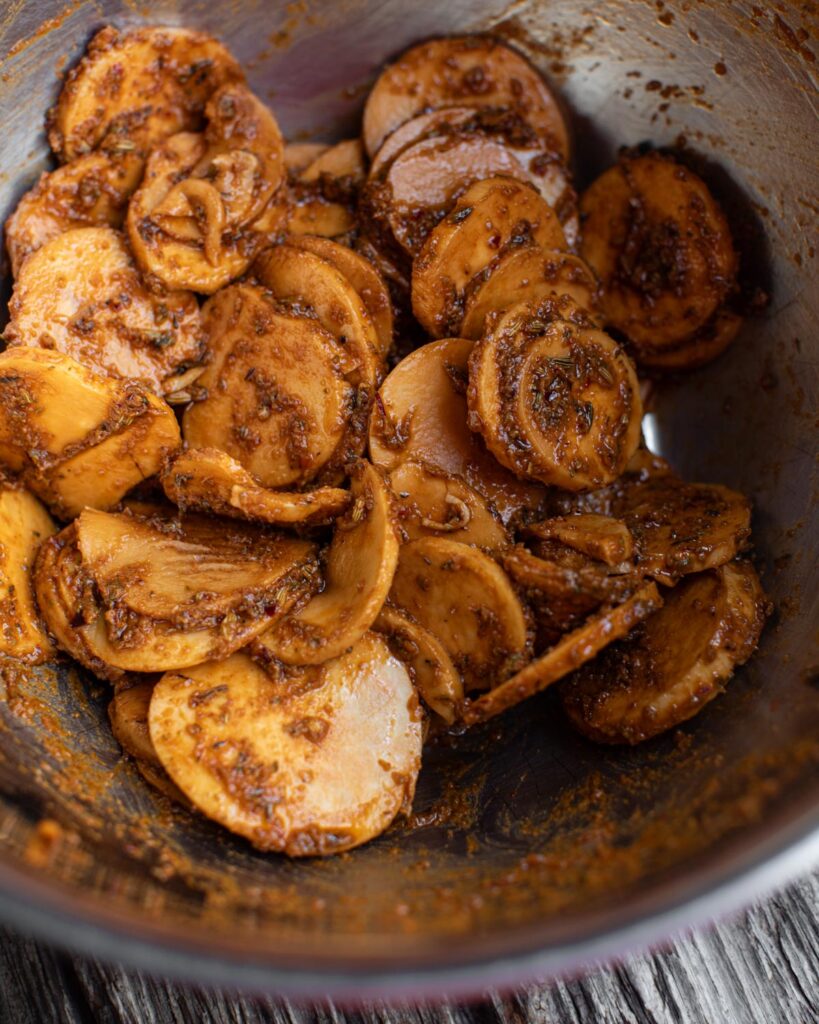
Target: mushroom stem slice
x,y
323,195
601,537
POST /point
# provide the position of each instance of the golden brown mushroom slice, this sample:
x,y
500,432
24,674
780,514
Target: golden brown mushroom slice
x,y
568,654
471,71
674,663
464,598
299,155
528,274
24,526
421,414
702,347
279,400
82,294
78,439
324,193
431,502
91,191
358,572
555,402
602,537
132,89
430,666
662,248
492,215
313,762
208,480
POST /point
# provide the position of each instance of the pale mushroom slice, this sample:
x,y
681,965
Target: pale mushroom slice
x,y
602,537
421,415
24,527
674,663
491,216
279,400
299,155
700,348
325,192
527,274
91,191
199,216
358,571
313,761
433,122
81,294
132,89
431,502
471,71
430,667
208,480
661,247
78,439
555,402
464,598
568,654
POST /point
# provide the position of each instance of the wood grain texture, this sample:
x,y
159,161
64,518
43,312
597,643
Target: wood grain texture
x,y
761,968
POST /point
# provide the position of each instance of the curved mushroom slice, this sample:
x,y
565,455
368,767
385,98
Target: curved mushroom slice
x,y
661,247
602,537
492,216
199,216
433,122
82,294
91,191
702,347
325,192
421,414
344,160
464,598
429,664
471,71
358,572
278,396
24,526
555,402
298,155
569,653
132,89
430,502
528,274
674,663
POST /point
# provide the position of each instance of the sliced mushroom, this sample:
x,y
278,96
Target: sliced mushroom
x,y
324,193
132,89
434,122
24,526
298,155
661,247
207,480
471,71
555,402
674,663
82,294
702,347
429,664
464,598
421,415
492,216
358,572
315,761
602,537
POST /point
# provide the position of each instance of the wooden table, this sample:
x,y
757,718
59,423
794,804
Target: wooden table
x,y
761,968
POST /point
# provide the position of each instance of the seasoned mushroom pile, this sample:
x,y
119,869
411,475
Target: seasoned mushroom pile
x,y
314,452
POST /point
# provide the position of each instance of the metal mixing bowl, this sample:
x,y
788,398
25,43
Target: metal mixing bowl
x,y
531,850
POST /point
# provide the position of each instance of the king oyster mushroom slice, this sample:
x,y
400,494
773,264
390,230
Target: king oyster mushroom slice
x,y
324,194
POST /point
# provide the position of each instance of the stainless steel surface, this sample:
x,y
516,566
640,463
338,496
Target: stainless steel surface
x,y
683,827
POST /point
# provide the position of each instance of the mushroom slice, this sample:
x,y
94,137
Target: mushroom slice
x,y
464,598
299,155
82,294
91,191
674,663
431,502
433,122
429,665
132,89
421,414
358,572
471,71
602,537
572,651
362,275
207,480
702,347
343,161
555,402
314,761
278,396
492,216
199,216
325,192
528,274
78,439
662,248
24,526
